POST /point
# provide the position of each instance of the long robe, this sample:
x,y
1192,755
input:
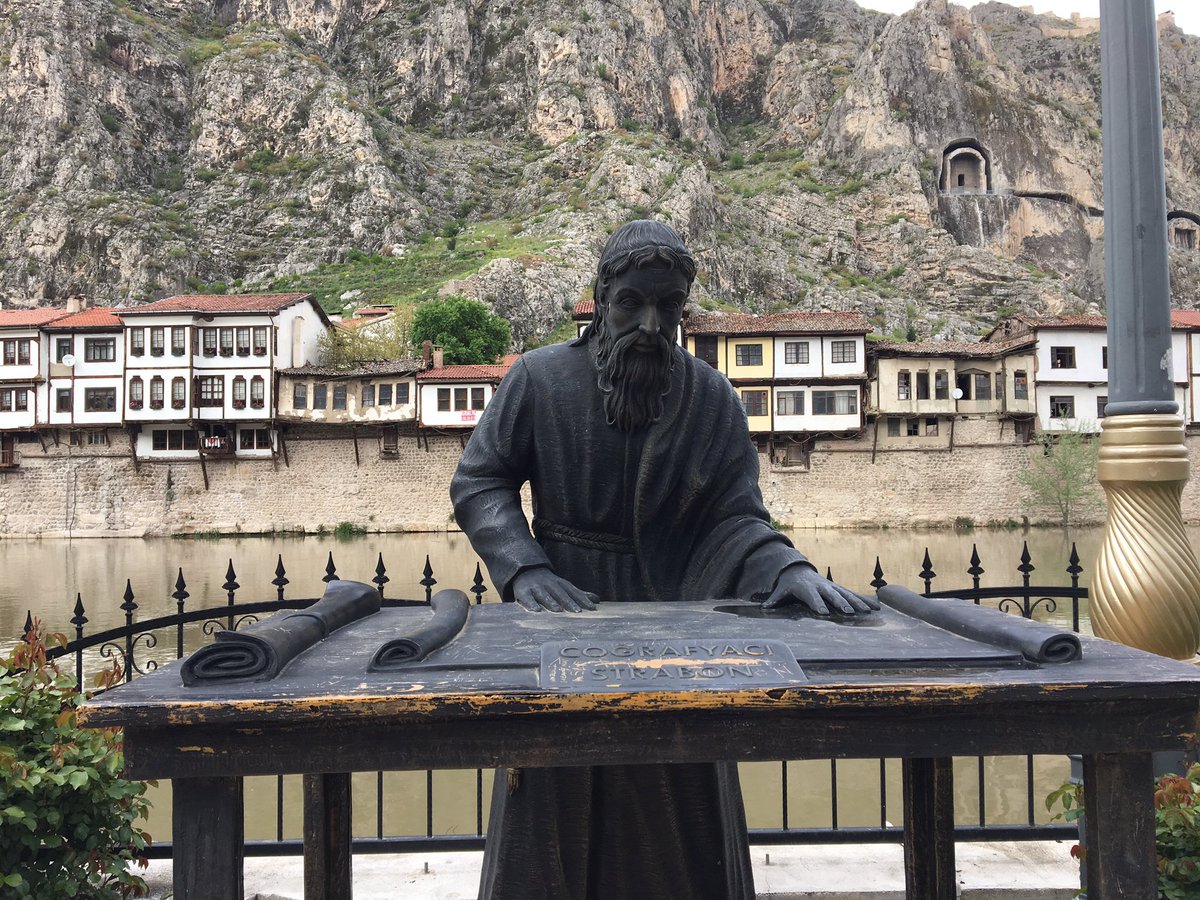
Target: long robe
x,y
669,512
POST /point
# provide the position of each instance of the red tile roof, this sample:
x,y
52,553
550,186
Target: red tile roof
x,y
491,374
584,309
1185,318
1064,321
29,318
408,366
99,319
218,303
778,323
371,311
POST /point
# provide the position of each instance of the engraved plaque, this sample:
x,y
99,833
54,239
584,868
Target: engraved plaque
x,y
684,664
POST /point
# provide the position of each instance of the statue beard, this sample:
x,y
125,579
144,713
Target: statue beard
x,y
633,382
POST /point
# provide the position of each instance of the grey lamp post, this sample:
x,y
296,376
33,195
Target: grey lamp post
x,y
1146,592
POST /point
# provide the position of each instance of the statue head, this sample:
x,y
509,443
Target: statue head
x,y
642,283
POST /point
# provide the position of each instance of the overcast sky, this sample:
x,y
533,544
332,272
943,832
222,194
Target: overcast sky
x,y
1187,12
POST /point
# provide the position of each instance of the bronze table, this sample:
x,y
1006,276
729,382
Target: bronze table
x,y
888,685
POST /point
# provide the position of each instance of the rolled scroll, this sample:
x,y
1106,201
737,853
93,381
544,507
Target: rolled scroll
x,y
261,651
449,615
1033,640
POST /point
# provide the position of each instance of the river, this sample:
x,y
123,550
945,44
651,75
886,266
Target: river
x,y
44,577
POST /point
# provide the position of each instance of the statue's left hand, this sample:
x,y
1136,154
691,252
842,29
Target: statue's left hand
x,y
800,584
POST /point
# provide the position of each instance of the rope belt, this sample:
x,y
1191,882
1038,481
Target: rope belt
x,y
590,540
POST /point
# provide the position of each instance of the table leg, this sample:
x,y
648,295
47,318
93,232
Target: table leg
x,y
327,836
928,786
1119,801
208,838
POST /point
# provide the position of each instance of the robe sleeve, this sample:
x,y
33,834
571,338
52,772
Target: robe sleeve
x,y
486,488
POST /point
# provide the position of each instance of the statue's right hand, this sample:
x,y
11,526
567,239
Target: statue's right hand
x,y
540,589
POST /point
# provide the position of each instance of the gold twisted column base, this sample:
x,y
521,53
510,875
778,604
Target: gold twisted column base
x,y
1146,591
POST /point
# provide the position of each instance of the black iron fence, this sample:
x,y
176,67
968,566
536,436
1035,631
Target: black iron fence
x,y
137,646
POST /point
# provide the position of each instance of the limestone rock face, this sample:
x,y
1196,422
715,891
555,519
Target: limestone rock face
x,y
801,146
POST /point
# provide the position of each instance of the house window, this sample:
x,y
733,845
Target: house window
x,y
210,342
941,385
157,340
99,399
100,349
174,439
136,392
21,400
243,342
368,395
795,353
1020,385
137,342
835,403
748,354
62,349
1104,356
922,385
319,396
402,393
1062,407
178,340
1062,357
893,427
6,401
226,341
443,403
931,427
477,398
178,393
339,396
1101,403
903,386
210,390
300,395
156,392
385,395
254,439
706,349
755,402
389,442
62,400
842,352
258,392
239,392
983,386
912,427
963,383
260,340
789,403
97,438
460,399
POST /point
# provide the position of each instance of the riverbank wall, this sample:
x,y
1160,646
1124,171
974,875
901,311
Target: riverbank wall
x,y
863,482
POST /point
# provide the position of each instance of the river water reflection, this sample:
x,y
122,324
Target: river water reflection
x,y
44,576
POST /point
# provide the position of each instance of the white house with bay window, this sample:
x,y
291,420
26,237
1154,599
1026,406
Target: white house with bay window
x,y
453,397
85,373
1071,368
200,370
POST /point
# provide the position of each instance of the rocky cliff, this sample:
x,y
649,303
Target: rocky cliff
x,y
487,146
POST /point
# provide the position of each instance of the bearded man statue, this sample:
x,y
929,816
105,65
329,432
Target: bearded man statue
x,y
645,488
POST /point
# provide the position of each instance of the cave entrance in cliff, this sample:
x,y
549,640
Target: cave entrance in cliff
x,y
1183,230
966,168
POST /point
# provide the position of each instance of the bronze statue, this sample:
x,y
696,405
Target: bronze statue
x,y
645,487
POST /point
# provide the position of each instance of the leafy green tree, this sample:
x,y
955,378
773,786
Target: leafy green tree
x,y
386,339
467,330
1062,478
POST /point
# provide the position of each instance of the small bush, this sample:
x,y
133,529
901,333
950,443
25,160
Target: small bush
x,y
346,530
68,824
110,122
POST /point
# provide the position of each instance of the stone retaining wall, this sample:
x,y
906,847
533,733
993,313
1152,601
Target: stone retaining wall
x,y
98,491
